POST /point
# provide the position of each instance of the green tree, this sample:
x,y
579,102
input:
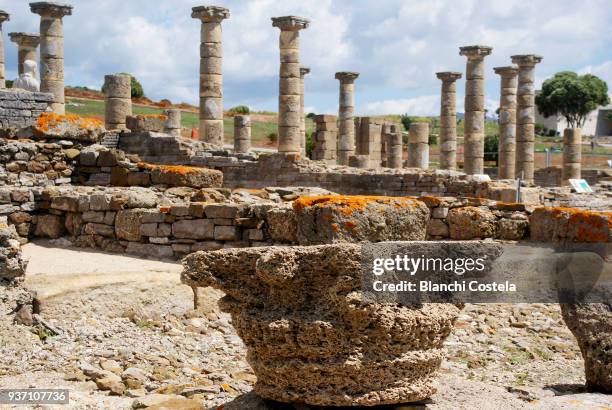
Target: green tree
x,y
572,96
240,109
406,121
491,144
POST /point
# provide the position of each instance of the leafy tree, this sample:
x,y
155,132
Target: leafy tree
x,y
240,109
406,121
491,144
310,115
572,96
309,144
8,83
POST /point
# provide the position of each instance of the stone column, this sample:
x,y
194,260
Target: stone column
x,y
346,134
418,145
474,122
211,75
242,134
525,115
572,155
289,96
118,100
448,119
325,138
26,48
394,148
507,121
173,122
51,65
4,16
303,72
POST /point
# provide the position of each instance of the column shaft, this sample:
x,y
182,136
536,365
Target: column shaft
x,y
572,155
242,134
4,16
173,122
118,101
418,145
346,108
303,72
448,120
507,122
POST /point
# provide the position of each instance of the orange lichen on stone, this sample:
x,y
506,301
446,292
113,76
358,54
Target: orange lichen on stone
x,y
592,226
350,225
430,201
177,169
49,120
158,116
334,227
164,209
347,204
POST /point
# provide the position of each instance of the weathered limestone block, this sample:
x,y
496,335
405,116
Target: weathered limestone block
x,y
282,224
471,223
176,175
117,100
325,139
418,145
330,219
562,225
172,125
68,127
242,133
12,265
311,335
49,226
146,123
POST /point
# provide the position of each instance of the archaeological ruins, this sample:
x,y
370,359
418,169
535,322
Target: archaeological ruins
x,y
281,234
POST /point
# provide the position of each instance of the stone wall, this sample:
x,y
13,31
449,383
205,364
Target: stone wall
x,y
19,109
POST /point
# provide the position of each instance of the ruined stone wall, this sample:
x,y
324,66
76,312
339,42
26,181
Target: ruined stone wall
x,y
552,176
19,109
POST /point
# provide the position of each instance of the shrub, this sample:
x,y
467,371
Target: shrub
x,y
406,120
310,115
309,144
240,109
273,137
491,144
539,128
9,83
433,139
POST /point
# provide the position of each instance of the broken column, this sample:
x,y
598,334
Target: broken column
x,y
370,140
448,119
26,48
474,122
394,148
346,137
525,115
52,50
242,134
117,100
303,72
289,97
4,16
211,75
507,122
418,145
325,138
572,155
172,125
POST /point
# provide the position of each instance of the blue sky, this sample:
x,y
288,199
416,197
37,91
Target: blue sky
x,y
396,45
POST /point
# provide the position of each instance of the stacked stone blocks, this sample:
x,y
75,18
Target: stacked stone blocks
x,y
507,121
418,145
448,120
325,139
242,134
118,101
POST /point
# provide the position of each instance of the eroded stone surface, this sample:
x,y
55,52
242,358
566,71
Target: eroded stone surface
x,y
312,337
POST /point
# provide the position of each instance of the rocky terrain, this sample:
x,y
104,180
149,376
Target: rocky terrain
x,y
127,335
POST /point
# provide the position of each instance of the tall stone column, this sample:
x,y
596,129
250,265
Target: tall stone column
x,y
172,125
346,108
51,65
4,16
474,122
211,75
418,145
525,115
303,72
507,121
448,119
289,96
117,100
26,48
572,155
242,134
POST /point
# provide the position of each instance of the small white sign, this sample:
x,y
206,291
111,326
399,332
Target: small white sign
x,y
482,177
580,186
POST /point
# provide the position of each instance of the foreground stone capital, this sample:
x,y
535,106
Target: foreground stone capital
x,y
475,52
449,76
526,59
25,39
214,14
4,16
290,23
346,76
312,335
51,9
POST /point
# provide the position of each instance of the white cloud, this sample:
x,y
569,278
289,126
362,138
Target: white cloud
x,y
425,105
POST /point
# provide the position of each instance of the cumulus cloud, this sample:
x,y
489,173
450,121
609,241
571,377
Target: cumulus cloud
x,y
396,45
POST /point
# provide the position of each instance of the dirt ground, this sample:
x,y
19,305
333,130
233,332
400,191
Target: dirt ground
x,y
124,313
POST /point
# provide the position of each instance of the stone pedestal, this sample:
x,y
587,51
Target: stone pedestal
x,y
172,125
474,122
369,140
26,48
418,145
289,97
4,16
51,65
211,75
525,115
448,119
346,108
572,155
394,148
325,139
303,72
118,100
507,121
242,134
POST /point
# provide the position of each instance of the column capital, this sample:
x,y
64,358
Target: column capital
x,y
304,71
29,40
290,23
51,9
475,51
346,76
449,76
214,14
507,71
525,60
4,16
